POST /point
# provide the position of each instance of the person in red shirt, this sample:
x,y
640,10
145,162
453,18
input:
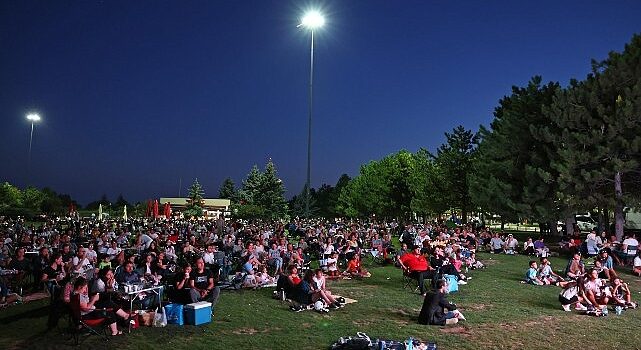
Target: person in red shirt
x,y
354,268
417,266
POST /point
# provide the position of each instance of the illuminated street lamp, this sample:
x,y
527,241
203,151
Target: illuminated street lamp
x,y
312,20
33,118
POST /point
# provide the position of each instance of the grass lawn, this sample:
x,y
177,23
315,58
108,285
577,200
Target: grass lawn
x,y
501,314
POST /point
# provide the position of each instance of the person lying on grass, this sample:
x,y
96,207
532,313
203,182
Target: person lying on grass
x,y
434,305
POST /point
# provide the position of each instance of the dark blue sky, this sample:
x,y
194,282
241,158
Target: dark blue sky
x,y
137,94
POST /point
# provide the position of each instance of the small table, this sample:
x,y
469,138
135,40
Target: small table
x,y
136,295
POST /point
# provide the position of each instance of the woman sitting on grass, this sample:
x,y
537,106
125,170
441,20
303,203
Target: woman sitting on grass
x,y
595,296
312,288
354,268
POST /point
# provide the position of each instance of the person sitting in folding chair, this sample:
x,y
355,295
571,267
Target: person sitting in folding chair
x,y
88,310
415,264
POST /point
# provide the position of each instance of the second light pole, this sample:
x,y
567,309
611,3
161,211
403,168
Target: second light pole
x,y
311,21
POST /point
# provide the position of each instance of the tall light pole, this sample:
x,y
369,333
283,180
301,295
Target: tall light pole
x,y
311,21
33,118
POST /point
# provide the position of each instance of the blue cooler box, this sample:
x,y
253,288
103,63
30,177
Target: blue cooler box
x,y
174,314
198,313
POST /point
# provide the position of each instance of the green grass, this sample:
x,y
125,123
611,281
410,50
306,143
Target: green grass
x,y
501,313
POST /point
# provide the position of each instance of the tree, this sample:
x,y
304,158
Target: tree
x,y
600,147
265,191
455,159
270,194
121,202
195,201
427,184
10,197
512,175
382,188
298,202
32,198
227,190
251,186
95,204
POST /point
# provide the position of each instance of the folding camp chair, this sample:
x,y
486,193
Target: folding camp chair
x,y
79,323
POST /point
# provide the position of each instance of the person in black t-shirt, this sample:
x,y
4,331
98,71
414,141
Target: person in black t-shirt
x,y
202,285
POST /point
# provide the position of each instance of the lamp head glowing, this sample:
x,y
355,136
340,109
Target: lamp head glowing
x,y
312,20
33,117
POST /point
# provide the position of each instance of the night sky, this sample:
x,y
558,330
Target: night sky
x,y
135,95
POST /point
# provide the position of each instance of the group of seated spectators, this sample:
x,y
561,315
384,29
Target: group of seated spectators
x,y
589,289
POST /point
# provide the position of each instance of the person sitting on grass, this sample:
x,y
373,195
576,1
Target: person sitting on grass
x,y
180,293
88,309
575,267
531,275
434,305
572,293
496,244
54,272
528,247
472,263
621,294
511,245
311,287
636,265
332,265
354,268
540,248
547,274
594,295
604,273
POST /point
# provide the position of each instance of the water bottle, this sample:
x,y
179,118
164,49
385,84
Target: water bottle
x,y
410,344
618,309
604,311
381,345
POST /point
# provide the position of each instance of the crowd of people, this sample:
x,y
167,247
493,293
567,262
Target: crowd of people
x,y
193,260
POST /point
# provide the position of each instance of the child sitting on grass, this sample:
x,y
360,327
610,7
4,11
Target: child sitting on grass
x,y
531,276
572,293
354,268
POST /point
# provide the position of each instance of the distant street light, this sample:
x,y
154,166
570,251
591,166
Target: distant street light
x,y
311,21
33,118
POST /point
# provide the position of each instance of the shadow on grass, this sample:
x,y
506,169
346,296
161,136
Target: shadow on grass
x,y
35,313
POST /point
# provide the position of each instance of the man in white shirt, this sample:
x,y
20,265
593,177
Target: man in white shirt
x,y
208,257
113,250
145,241
79,262
630,240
